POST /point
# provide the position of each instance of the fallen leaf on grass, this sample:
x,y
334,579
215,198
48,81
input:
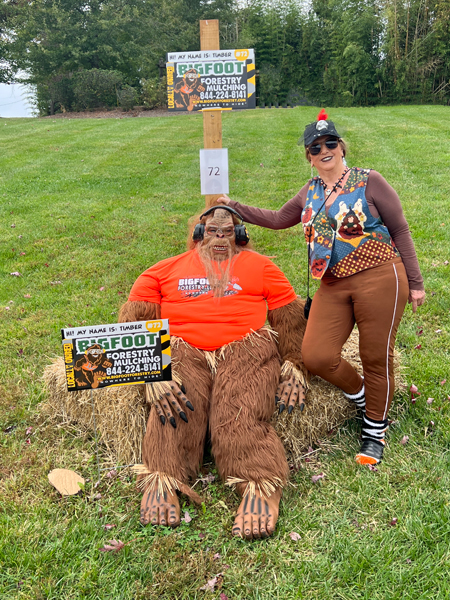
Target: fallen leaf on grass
x,y
404,440
430,400
393,523
112,546
109,526
7,308
16,274
418,347
445,262
372,467
201,536
419,331
102,288
294,536
216,556
13,225
187,517
223,596
211,584
111,474
28,431
27,295
443,382
315,478
55,282
438,331
22,254
20,352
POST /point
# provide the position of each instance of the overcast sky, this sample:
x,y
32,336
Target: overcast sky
x,y
13,102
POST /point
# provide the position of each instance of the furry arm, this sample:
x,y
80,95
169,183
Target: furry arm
x,y
290,324
139,311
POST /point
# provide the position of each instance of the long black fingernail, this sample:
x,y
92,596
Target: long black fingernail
x,y
162,419
276,399
183,416
282,407
182,388
173,422
302,406
189,405
290,409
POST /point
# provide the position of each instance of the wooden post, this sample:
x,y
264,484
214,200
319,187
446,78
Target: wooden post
x,y
212,119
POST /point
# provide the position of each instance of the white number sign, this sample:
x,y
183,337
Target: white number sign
x,y
214,171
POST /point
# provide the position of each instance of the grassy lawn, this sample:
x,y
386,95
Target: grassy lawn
x,y
85,207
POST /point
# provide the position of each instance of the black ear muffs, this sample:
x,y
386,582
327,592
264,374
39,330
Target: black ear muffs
x,y
240,231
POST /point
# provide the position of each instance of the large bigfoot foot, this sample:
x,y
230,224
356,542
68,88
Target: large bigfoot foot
x,y
160,509
257,516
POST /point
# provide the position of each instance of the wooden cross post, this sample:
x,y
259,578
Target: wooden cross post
x,y
212,119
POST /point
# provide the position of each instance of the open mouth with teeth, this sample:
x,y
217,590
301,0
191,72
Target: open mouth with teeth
x,y
326,159
220,248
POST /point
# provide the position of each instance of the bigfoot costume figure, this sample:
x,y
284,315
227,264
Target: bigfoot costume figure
x,y
227,367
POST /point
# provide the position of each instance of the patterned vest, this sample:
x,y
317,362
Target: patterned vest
x,y
349,239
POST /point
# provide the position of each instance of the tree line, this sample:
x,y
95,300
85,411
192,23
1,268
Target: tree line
x,y
82,54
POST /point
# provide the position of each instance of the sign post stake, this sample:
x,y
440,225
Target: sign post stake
x,y
212,119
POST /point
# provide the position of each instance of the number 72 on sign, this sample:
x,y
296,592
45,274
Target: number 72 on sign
x,y
214,171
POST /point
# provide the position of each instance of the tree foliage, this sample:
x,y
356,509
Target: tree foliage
x,y
333,52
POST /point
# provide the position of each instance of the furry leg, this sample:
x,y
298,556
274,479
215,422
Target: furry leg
x,y
244,443
177,453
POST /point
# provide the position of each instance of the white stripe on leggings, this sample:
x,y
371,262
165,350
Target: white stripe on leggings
x,y
388,344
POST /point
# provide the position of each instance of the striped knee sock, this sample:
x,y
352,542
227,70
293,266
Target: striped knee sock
x,y
359,398
374,430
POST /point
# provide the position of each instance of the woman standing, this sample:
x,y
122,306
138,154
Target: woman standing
x,y
360,248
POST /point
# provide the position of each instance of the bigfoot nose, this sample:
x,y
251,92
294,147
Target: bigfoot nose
x,y
220,234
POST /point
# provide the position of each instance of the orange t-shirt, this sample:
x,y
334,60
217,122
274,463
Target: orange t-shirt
x,y
180,286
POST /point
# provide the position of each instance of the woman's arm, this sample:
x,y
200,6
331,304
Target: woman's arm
x,y
387,203
288,215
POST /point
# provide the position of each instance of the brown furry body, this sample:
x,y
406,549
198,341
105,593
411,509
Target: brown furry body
x,y
235,399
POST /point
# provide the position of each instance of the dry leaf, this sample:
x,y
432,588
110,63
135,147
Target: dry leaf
x,y
430,400
418,347
65,481
404,440
438,331
294,536
315,478
187,517
16,274
109,526
112,546
216,556
27,295
443,382
393,523
372,468
223,596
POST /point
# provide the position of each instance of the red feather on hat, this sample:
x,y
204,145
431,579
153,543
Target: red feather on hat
x,y
322,116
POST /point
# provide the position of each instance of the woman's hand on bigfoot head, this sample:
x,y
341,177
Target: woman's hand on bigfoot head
x,y
288,393
169,402
224,199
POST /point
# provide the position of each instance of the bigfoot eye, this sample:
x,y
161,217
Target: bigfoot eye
x,y
227,231
95,352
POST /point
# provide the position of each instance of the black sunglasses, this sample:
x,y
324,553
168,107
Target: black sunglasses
x,y
314,149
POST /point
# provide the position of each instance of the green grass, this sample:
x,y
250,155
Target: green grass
x,y
92,207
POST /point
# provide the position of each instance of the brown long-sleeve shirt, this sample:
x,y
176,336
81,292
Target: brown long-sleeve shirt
x,y
383,202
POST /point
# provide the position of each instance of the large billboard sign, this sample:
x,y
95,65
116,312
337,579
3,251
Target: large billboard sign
x,y
210,79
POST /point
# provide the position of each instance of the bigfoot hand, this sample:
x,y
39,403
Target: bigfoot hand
x,y
172,397
288,393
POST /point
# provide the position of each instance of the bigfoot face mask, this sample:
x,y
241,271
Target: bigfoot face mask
x,y
219,239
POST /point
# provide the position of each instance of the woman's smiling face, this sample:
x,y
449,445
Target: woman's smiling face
x,y
328,159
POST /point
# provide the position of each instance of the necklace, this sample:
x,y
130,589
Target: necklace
x,y
328,190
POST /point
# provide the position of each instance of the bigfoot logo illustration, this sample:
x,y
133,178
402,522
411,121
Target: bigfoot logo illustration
x,y
187,92
89,367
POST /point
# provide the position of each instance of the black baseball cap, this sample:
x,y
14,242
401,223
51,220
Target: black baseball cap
x,y
318,129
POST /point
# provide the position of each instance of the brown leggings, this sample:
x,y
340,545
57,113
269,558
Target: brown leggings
x,y
236,403
373,299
